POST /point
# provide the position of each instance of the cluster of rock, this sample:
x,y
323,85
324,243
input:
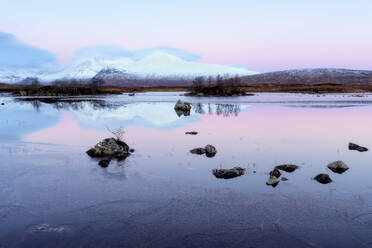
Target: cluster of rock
x,y
111,148
182,108
209,151
108,149
338,167
275,174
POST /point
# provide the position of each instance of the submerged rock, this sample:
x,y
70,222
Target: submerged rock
x,y
182,108
199,151
228,173
287,167
109,148
104,163
275,173
273,181
338,167
323,178
210,151
284,179
131,94
192,133
358,148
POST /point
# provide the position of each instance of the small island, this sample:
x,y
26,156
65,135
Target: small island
x,y
219,86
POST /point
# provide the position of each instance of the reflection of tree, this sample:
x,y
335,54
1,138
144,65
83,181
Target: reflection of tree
x,y
63,104
221,109
198,107
228,109
36,104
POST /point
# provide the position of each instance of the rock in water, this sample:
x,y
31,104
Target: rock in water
x,y
199,151
358,148
323,178
338,167
284,179
210,151
228,173
182,108
109,148
104,163
287,167
275,173
273,181
192,133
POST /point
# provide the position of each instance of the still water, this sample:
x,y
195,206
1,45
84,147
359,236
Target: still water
x,y
53,195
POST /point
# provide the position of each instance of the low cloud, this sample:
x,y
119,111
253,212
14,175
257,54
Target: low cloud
x,y
17,55
115,52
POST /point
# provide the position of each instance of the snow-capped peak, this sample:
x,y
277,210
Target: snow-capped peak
x,y
156,64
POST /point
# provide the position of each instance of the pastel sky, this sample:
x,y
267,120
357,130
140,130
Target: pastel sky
x,y
262,35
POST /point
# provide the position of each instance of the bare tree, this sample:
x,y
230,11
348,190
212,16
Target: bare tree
x,y
118,133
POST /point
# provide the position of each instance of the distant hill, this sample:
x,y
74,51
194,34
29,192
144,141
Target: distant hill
x,y
311,77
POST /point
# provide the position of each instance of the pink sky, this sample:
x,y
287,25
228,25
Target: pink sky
x,y
262,35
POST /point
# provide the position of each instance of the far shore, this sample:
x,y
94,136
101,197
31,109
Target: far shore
x,y
285,88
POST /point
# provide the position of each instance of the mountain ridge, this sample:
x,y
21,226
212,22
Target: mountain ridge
x,y
311,76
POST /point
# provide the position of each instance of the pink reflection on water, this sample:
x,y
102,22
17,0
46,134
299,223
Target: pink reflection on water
x,y
266,128
272,130
66,132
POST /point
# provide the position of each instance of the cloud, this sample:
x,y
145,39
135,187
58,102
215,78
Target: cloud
x,y
114,52
180,53
17,55
107,52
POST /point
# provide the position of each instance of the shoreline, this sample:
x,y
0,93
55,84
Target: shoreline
x,y
257,88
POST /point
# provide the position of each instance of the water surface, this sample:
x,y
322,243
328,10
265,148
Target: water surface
x,y
53,195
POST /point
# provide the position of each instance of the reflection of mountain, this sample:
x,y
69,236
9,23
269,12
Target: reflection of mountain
x,y
150,115
21,119
97,114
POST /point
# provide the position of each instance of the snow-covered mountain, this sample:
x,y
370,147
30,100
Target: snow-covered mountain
x,y
155,65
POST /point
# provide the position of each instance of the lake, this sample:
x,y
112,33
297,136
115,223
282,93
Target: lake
x,y
52,194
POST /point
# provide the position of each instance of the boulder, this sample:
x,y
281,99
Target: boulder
x,y
358,148
287,167
210,151
182,108
199,151
228,173
275,173
338,167
273,181
109,148
192,133
323,178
